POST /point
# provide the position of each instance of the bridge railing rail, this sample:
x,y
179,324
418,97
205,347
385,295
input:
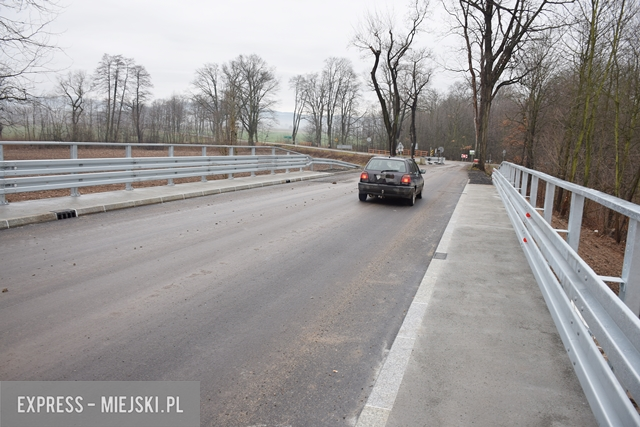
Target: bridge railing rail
x,y
600,331
18,176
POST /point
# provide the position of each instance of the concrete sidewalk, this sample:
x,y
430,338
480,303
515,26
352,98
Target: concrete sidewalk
x,y
42,210
478,345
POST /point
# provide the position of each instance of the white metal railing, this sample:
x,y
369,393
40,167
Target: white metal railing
x,y
18,176
587,314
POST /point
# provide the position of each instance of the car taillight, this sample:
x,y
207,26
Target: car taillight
x,y
406,179
364,176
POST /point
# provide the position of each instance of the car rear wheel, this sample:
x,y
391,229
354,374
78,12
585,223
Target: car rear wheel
x,y
412,199
362,197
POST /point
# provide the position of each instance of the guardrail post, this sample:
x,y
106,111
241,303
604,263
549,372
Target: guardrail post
x,y
74,155
127,154
204,154
630,289
170,182
575,220
524,184
517,179
253,153
3,201
549,195
287,169
230,155
273,153
510,174
533,195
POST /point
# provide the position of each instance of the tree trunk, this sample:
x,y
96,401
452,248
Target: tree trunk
x,y
484,113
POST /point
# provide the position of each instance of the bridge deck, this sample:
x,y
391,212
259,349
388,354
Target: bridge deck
x,y
478,346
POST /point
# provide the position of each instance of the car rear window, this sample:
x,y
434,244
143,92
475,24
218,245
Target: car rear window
x,y
387,165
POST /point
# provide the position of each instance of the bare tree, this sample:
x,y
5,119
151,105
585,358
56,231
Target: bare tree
x,y
322,96
74,87
232,102
48,117
336,75
25,49
605,24
111,77
626,100
380,37
315,99
140,93
154,121
25,44
126,88
418,77
168,120
493,33
446,120
175,118
539,64
348,100
254,84
297,84
210,95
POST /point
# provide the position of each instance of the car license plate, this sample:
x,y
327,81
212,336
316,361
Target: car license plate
x,y
384,177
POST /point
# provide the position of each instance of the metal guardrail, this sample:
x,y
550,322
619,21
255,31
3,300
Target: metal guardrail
x,y
18,176
587,314
332,162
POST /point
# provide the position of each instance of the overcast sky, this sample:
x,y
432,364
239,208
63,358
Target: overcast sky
x,y
172,38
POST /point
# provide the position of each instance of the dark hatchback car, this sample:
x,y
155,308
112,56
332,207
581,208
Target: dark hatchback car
x,y
391,177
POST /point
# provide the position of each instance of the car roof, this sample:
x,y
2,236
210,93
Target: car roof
x,y
375,162
404,159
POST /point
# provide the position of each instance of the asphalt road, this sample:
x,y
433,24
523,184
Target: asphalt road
x,y
281,301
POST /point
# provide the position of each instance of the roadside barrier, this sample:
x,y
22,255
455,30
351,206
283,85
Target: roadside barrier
x,y
18,176
600,331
